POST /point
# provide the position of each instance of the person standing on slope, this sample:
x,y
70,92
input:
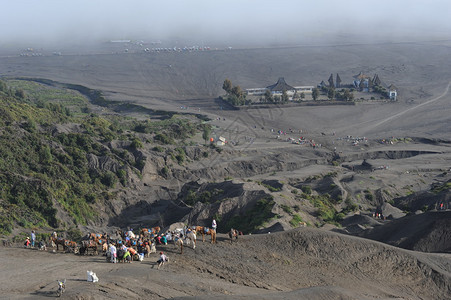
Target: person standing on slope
x,y
113,252
213,225
33,238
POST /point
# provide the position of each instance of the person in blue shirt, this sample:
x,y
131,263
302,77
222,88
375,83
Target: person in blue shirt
x,y
33,238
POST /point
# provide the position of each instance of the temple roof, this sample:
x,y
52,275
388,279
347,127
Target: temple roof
x,y
280,86
361,76
392,88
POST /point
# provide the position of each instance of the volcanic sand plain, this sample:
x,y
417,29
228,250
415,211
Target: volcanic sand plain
x,y
310,263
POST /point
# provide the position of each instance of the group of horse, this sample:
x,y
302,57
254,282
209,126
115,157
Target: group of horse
x,y
196,230
93,241
68,245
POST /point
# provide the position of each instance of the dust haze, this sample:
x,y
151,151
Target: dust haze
x,y
223,22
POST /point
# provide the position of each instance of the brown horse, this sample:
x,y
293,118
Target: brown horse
x,y
57,242
98,238
178,241
148,250
71,246
88,244
145,232
206,231
104,247
233,233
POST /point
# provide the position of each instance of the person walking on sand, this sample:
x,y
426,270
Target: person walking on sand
x,y
33,238
213,225
113,252
162,260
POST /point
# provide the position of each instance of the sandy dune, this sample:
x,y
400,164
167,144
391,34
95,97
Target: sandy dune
x,y
310,263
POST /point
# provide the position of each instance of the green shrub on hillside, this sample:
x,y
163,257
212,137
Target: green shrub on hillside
x,y
163,138
254,218
294,222
306,189
286,209
326,210
42,168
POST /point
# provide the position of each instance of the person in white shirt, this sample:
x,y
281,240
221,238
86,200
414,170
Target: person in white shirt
x,y
113,253
213,225
162,260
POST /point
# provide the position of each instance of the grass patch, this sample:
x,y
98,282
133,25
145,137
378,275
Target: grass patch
x,y
441,187
295,221
286,209
326,210
306,189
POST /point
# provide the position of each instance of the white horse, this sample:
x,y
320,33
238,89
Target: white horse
x,y
191,238
151,249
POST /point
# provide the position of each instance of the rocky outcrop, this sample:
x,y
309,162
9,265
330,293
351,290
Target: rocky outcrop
x,y
103,163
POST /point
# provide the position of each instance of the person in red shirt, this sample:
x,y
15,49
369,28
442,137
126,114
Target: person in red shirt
x,y
27,243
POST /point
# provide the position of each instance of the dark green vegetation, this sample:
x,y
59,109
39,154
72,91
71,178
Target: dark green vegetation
x,y
441,187
235,95
326,209
270,187
49,145
205,197
253,218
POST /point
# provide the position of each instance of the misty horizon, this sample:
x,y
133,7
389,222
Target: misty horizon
x,y
231,22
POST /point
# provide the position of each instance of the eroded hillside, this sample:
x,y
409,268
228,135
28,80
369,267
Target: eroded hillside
x,y
93,163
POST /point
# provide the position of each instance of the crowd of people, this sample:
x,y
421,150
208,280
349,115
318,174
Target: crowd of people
x,y
124,246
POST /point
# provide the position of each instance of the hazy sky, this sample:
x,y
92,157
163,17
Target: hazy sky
x,y
214,20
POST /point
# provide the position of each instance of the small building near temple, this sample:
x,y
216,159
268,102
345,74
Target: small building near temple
x,y
278,88
392,92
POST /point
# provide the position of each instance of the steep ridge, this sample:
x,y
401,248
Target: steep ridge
x,y
300,258
428,232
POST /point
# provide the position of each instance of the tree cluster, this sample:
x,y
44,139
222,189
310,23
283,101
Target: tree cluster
x,y
332,93
235,94
345,95
18,93
269,98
